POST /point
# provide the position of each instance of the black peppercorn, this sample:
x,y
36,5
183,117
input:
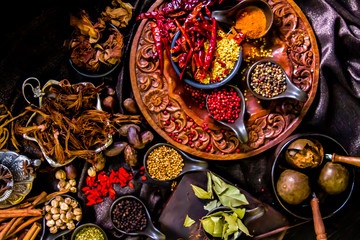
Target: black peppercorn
x,y
129,216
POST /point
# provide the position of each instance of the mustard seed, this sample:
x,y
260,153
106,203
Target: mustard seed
x,y
164,163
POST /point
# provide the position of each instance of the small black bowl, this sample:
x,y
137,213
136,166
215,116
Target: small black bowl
x,y
150,230
192,82
103,71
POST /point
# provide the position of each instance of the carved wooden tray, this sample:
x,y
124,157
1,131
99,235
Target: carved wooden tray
x,y
172,112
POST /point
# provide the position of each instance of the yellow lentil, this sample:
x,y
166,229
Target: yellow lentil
x,y
164,163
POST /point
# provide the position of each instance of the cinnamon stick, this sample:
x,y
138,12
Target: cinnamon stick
x,y
24,225
20,213
6,229
33,232
15,224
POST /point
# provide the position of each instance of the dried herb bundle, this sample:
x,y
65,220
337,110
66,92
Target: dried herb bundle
x,y
69,125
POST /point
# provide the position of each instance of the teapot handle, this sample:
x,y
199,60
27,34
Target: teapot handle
x,y
35,88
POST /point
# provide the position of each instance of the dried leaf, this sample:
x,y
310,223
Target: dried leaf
x,y
200,193
188,221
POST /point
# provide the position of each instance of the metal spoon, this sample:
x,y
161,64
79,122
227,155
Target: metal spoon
x,y
229,16
190,164
291,90
238,126
51,236
151,231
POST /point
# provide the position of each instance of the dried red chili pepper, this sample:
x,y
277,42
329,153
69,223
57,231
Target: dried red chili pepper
x,y
239,38
187,38
190,18
212,47
149,15
158,43
187,60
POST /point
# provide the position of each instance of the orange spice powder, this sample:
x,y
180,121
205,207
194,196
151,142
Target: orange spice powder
x,y
251,21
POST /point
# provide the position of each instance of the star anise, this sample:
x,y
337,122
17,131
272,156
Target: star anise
x,y
5,175
3,189
27,168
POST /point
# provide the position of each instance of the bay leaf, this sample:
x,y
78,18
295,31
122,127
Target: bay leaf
x,y
201,193
209,184
208,225
211,205
232,197
219,185
188,221
243,228
240,212
218,226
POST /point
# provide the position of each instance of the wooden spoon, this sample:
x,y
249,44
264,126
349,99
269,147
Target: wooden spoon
x,y
318,221
343,159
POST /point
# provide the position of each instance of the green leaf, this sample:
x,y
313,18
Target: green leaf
x,y
218,226
201,193
240,212
211,205
243,228
208,225
188,221
232,197
209,184
219,185
228,195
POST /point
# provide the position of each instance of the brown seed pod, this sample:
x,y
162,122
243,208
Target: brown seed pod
x,y
130,106
123,130
130,155
115,149
134,138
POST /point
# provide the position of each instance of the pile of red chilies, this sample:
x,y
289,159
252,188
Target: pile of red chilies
x,y
168,19
101,185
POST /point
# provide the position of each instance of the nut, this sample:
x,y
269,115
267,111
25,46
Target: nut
x,y
72,182
78,217
77,211
54,210
47,208
50,223
53,230
70,225
56,217
59,198
64,206
59,223
73,189
63,227
63,217
54,203
48,216
74,204
67,201
60,174
69,215
91,172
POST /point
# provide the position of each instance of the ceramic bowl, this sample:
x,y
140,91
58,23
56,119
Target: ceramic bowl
x,y
79,228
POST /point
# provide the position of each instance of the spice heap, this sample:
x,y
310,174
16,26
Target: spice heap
x,y
129,215
191,51
164,163
268,79
89,233
251,21
5,179
69,124
62,213
224,105
101,185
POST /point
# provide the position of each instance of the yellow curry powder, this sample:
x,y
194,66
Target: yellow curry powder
x,y
251,21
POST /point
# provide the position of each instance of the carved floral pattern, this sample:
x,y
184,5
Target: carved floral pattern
x,y
167,111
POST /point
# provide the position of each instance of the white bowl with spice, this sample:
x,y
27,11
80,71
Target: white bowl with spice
x,y
89,231
164,162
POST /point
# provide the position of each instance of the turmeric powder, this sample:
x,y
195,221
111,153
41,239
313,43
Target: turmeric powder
x,y
251,21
